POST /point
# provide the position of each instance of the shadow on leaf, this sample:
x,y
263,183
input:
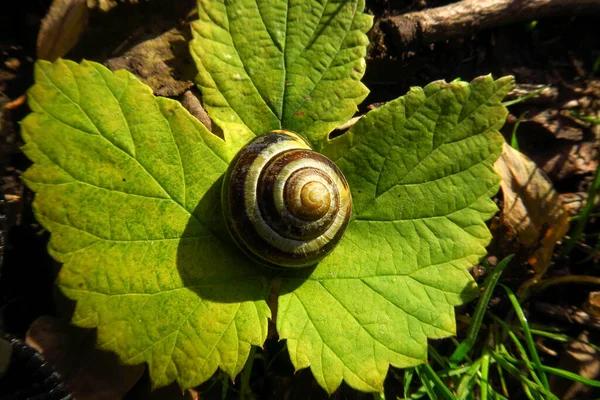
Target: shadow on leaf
x,y
213,266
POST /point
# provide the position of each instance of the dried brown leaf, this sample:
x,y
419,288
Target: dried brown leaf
x,y
192,103
532,208
61,28
107,5
89,372
582,359
163,63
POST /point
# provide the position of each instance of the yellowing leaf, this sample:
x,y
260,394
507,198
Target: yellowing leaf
x,y
128,185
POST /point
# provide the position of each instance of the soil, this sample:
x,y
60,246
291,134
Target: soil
x,y
563,52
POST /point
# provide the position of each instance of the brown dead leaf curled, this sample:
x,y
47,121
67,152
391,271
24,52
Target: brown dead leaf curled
x,y
192,103
90,373
532,208
61,28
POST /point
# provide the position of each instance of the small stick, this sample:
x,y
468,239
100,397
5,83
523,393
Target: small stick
x,y
470,16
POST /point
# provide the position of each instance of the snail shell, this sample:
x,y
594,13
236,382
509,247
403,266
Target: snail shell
x,y
285,205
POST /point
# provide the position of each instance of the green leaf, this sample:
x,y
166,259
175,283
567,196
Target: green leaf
x,y
129,186
420,170
267,64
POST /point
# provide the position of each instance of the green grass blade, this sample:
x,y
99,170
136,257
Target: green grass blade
x,y
560,372
428,385
485,374
436,381
436,356
502,380
246,373
525,98
528,337
408,377
523,353
514,142
514,371
587,209
561,337
495,395
490,283
467,382
519,347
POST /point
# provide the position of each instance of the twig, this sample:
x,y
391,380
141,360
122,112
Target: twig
x,y
470,16
583,279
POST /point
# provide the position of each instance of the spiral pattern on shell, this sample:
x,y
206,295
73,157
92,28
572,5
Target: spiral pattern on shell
x,y
285,205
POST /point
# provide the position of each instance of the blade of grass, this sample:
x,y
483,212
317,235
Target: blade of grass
x,y
514,371
502,380
587,210
408,377
485,373
559,372
427,383
526,97
460,371
520,349
435,379
246,373
457,343
528,337
559,337
514,142
496,395
437,357
490,283
224,387
467,382
524,356
582,279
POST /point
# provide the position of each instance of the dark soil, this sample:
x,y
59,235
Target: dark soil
x,y
563,52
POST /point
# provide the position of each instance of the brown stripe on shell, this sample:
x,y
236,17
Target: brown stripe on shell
x,y
289,225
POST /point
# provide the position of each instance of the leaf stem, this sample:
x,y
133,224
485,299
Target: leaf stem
x,y
246,373
528,337
473,332
541,285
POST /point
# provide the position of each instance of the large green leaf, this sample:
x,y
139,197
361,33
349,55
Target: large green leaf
x,y
421,174
268,64
128,184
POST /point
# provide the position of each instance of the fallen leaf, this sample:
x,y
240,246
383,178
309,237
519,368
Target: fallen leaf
x,y
592,304
532,208
582,359
89,372
163,63
192,103
107,5
61,28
